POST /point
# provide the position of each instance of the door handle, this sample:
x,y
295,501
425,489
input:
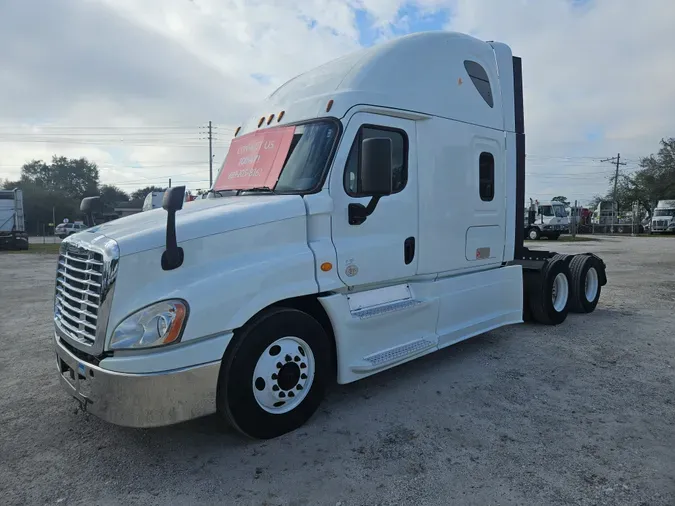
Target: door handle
x,y
409,250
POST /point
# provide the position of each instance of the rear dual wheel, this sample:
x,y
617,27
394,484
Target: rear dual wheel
x,y
549,292
585,286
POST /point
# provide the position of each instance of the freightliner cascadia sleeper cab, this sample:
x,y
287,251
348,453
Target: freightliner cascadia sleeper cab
x,y
369,213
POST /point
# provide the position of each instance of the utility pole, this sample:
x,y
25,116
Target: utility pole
x,y
616,159
210,156
169,182
575,217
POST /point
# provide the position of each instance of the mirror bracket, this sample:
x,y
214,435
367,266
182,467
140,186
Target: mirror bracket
x,y
173,255
358,213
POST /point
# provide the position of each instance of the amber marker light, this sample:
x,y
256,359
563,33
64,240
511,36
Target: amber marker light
x,y
326,266
236,132
281,115
269,120
329,105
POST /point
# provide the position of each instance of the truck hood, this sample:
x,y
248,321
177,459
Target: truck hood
x,y
199,218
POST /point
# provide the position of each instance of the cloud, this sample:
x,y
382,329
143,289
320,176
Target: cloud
x,y
597,76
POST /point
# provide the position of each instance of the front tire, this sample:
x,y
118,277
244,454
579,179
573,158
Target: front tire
x,y
533,234
275,375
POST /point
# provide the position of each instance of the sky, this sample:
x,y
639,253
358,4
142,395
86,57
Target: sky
x,y
132,84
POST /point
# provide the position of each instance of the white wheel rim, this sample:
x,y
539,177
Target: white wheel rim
x,y
560,292
283,375
533,234
591,284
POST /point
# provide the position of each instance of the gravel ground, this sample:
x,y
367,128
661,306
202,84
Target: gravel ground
x,y
582,413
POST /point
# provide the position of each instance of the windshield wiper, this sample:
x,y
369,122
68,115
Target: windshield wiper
x,y
265,189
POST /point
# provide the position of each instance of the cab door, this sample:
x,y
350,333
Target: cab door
x,y
384,248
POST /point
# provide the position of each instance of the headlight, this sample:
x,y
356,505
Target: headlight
x,y
156,325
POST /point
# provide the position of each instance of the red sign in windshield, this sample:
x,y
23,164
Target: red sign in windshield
x,y
255,160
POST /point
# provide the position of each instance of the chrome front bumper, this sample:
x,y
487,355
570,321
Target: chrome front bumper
x,y
139,400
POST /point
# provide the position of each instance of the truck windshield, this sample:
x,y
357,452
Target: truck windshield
x,y
560,211
664,212
546,210
290,159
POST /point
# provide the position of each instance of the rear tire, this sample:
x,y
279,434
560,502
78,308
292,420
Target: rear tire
x,y
274,377
549,293
585,286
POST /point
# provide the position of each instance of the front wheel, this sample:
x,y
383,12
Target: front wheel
x,y
274,378
533,234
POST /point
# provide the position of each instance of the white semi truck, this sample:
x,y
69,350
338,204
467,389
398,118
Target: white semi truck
x,y
13,233
377,219
546,219
663,219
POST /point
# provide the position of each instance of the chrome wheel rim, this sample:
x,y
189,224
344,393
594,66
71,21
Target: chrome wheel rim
x,y
283,375
560,292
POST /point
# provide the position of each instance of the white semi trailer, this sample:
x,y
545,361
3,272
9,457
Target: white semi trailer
x,y
13,233
377,218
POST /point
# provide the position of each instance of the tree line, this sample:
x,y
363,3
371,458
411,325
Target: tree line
x,y
653,181
59,186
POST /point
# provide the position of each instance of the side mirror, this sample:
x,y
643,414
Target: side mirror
x,y
89,206
173,198
375,178
376,167
172,201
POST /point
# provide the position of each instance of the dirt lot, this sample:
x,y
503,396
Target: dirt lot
x,y
583,413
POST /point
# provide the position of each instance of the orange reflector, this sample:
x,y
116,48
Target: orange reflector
x,y
326,266
281,115
269,120
261,121
236,132
330,104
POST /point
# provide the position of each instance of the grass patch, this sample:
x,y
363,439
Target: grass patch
x,y
39,248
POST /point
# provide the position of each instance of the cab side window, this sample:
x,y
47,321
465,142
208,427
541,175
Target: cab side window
x,y
399,144
486,176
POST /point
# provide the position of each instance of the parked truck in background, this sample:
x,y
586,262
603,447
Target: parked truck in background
x,y
13,233
153,200
606,219
377,219
546,219
663,219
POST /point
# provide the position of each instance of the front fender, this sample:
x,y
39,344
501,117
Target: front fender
x,y
225,278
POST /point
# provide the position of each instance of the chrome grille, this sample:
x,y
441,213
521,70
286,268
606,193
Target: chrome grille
x,y
84,277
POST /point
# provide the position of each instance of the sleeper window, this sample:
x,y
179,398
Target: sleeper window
x,y
480,80
399,147
486,176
